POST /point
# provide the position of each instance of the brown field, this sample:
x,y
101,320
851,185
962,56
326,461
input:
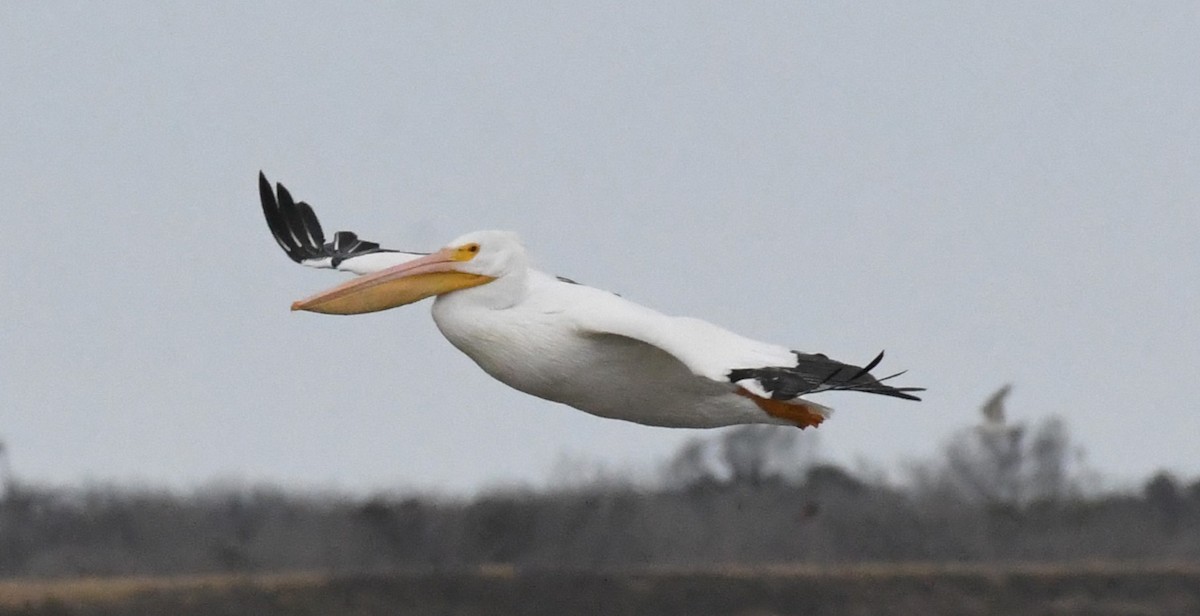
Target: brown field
x,y
898,589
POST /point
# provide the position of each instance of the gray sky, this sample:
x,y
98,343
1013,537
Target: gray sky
x,y
993,193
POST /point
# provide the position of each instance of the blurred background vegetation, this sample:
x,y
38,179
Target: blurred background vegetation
x,y
1000,491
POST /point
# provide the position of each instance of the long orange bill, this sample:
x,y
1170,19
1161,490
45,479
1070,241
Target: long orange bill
x,y
396,286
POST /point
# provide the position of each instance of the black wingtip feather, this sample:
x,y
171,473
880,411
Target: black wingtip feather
x,y
276,221
814,373
312,226
295,225
867,370
298,231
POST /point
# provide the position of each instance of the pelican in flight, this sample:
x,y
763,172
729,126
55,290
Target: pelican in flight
x,y
566,342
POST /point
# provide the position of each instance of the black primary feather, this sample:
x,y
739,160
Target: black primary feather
x,y
298,231
816,373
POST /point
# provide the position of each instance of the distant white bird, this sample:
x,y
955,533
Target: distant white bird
x,y
998,433
566,342
993,408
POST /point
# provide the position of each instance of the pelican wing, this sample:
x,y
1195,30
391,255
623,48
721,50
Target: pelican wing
x,y
299,234
815,373
765,370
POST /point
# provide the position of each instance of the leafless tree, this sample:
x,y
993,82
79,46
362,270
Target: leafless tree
x,y
8,481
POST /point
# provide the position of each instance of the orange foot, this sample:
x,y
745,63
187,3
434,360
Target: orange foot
x,y
795,411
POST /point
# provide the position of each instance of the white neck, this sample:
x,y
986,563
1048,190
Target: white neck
x,y
501,293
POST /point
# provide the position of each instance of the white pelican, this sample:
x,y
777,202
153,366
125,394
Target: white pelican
x,y
566,342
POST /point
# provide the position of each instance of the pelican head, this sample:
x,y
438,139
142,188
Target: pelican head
x,y
471,260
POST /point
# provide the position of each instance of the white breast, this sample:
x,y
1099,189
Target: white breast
x,y
528,347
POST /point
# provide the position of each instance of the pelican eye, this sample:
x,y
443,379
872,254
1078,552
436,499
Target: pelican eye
x,y
466,252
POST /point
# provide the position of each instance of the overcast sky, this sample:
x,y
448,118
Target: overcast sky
x,y
993,192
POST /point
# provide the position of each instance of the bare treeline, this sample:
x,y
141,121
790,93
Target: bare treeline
x,y
754,494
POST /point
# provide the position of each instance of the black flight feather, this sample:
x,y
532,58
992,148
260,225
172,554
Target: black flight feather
x,y
815,372
298,231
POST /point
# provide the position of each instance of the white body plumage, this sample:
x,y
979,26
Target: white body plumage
x,y
542,346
